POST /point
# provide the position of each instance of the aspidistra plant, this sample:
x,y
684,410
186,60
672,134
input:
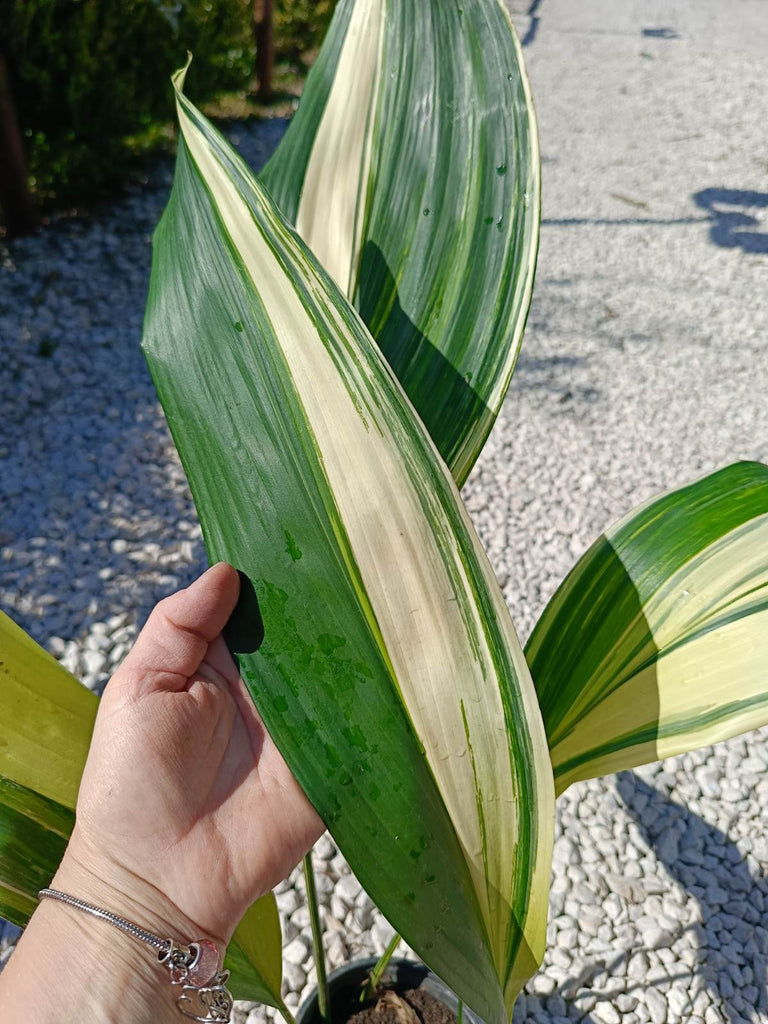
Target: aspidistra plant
x,y
330,358
390,673
657,641
411,170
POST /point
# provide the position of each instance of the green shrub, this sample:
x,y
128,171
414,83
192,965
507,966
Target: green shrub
x,y
300,26
86,74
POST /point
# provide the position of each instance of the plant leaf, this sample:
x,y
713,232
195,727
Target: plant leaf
x,y
46,718
657,641
46,721
255,955
33,837
389,674
411,169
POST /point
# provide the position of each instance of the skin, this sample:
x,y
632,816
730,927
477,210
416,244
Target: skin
x,y
186,814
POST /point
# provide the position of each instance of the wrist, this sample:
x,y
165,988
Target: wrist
x,y
89,875
110,975
72,966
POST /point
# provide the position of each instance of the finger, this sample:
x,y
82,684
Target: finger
x,y
176,637
220,659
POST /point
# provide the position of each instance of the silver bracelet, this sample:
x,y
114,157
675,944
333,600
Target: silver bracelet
x,y
195,968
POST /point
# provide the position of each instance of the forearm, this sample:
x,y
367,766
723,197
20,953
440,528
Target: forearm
x,y
70,966
67,969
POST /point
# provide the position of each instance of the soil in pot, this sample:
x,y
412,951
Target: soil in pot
x,y
408,993
414,1006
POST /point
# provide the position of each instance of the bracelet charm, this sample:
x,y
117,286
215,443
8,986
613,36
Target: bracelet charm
x,y
207,1003
204,996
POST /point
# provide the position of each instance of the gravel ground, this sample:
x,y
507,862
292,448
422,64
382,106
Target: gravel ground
x,y
644,366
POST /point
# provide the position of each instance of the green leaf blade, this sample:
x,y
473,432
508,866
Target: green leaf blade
x,y
46,718
255,955
418,190
388,650
657,641
33,836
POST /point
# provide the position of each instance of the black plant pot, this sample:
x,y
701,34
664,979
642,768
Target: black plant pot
x,y
346,983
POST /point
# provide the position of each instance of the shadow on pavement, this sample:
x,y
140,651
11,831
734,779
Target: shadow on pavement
x,y
661,33
709,866
732,227
533,27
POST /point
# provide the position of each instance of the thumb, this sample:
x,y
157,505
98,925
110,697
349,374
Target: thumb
x,y
175,639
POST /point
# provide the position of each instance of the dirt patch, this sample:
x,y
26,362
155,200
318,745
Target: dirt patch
x,y
411,1007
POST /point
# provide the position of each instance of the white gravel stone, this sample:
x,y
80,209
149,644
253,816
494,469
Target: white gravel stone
x,y
297,951
348,889
294,976
381,934
94,662
657,1006
607,1013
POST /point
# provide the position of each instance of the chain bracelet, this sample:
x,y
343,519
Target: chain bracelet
x,y
194,968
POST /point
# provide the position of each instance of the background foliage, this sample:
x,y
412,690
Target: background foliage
x,y
300,27
88,75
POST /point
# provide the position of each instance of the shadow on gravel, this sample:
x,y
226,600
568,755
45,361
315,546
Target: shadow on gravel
x,y
661,33
533,26
95,517
709,865
731,227
555,376
603,222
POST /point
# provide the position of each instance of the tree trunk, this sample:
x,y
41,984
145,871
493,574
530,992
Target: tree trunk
x,y
15,199
265,47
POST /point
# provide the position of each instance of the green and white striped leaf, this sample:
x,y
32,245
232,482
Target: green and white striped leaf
x,y
46,722
657,641
411,169
390,675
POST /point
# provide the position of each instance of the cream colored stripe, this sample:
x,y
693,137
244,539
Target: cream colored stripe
x,y
731,566
719,579
332,205
721,667
420,614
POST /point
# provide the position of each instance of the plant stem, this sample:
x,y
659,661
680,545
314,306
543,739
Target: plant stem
x,y
323,999
460,1013
285,1013
375,976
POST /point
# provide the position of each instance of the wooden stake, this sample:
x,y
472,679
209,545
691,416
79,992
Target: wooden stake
x,y
263,11
20,217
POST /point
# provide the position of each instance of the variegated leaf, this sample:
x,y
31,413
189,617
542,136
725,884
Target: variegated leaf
x,y
390,674
657,641
411,170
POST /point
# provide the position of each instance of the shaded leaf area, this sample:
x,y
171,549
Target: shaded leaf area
x,y
33,836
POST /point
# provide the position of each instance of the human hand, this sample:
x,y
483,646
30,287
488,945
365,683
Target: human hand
x,y
187,812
